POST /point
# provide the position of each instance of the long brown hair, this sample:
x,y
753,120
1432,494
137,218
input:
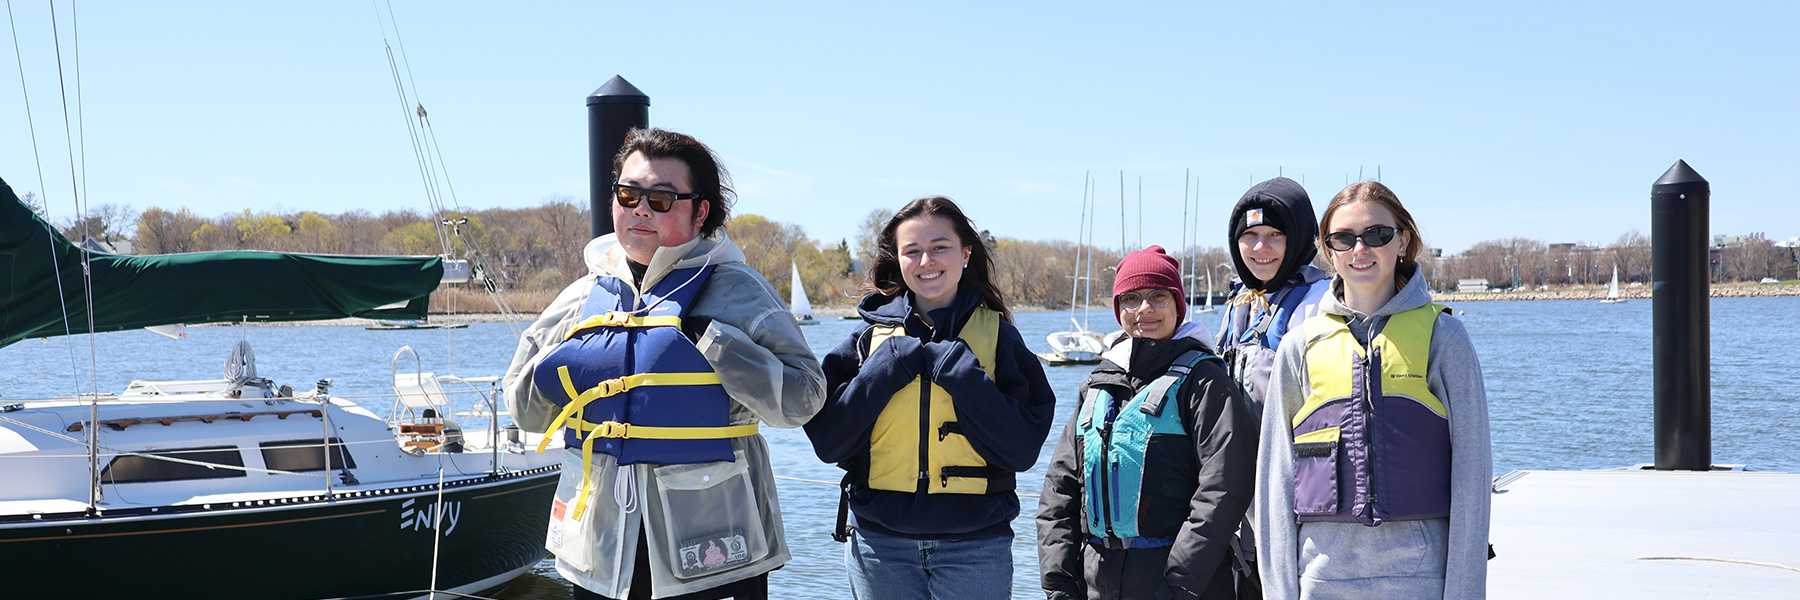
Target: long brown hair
x,y
885,274
1374,191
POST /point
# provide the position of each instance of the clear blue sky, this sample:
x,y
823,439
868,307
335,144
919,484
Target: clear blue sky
x,y
1541,120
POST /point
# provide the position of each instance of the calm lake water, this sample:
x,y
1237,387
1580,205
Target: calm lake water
x,y
1569,387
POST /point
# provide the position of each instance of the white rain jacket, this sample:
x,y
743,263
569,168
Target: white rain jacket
x,y
764,364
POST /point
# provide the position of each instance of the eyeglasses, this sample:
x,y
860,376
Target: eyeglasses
x,y
1156,298
660,200
1373,237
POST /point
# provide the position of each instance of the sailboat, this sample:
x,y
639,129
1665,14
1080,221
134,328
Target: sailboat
x,y
797,302
1077,345
1208,307
1612,289
221,488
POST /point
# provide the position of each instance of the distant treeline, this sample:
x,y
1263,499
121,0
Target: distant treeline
x,y
1532,263
537,250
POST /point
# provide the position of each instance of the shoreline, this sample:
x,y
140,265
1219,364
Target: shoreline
x,y
834,312
1732,290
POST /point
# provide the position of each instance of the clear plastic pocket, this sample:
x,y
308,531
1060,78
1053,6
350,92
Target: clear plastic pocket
x,y
711,518
593,540
1316,472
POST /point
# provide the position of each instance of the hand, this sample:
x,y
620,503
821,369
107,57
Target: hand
x,y
945,353
904,352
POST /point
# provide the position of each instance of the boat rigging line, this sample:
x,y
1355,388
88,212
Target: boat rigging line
x,y
429,157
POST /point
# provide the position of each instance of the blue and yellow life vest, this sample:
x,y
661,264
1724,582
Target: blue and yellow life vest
x,y
1137,495
1371,443
917,442
633,386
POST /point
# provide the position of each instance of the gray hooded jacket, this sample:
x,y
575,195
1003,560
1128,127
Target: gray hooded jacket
x,y
764,364
1438,558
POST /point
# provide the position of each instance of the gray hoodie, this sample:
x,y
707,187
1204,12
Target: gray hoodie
x,y
764,364
1437,558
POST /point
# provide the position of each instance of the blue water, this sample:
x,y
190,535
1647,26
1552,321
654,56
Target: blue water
x,y
1569,387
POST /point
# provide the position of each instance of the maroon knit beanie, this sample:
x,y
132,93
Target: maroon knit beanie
x,y
1150,268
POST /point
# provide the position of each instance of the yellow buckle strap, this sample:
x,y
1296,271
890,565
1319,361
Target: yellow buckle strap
x,y
612,387
622,319
613,429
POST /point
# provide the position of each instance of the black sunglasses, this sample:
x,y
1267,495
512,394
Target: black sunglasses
x,y
660,200
1373,237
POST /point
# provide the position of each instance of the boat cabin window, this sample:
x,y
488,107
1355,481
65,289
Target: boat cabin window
x,y
140,469
305,455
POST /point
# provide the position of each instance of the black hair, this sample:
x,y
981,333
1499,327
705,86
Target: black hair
x,y
710,179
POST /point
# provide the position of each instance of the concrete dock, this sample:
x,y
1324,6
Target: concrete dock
x,y
1645,534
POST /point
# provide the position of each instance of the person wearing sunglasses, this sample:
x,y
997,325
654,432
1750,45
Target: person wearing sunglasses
x,y
1374,467
1272,232
1155,469
656,370
935,406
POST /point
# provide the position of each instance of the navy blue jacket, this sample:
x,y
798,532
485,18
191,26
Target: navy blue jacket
x,y
1005,419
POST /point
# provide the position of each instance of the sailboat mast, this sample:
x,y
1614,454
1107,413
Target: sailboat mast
x,y
1186,302
1087,281
1075,272
1123,247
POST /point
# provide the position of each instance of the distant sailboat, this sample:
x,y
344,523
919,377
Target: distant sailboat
x,y
1612,289
797,302
1208,307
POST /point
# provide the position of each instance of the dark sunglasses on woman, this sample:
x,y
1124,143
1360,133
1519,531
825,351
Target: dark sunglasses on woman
x,y
660,200
1373,237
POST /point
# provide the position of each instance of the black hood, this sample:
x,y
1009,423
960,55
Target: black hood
x,y
1289,203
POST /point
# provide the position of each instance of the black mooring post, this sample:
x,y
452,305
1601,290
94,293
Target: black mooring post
x,y
1680,293
613,110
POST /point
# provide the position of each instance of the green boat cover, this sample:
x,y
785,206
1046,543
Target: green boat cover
x,y
133,292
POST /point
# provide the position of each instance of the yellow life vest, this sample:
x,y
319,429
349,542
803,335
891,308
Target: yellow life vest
x,y
919,424
1371,442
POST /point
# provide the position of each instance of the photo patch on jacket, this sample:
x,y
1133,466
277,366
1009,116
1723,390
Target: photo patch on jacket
x,y
713,553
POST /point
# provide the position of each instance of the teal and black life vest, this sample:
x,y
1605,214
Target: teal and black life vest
x,y
1371,442
1137,464
633,386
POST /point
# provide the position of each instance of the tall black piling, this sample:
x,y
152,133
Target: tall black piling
x,y
1680,314
613,110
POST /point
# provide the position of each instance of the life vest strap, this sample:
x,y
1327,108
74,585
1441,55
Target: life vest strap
x,y
614,429
611,387
622,319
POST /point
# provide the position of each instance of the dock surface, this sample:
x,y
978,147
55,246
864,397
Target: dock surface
x,y
1645,534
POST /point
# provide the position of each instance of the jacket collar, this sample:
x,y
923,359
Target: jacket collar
x,y
1411,296
1134,362
606,258
881,309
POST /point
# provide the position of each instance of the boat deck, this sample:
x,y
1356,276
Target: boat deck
x,y
1636,533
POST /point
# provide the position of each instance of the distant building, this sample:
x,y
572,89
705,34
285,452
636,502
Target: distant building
x,y
1727,241
1467,286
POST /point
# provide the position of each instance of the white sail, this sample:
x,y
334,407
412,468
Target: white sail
x,y
1612,289
797,302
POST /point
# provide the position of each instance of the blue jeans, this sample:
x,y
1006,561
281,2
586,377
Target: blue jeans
x,y
885,566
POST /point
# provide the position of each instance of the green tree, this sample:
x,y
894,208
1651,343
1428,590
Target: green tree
x,y
162,232
260,231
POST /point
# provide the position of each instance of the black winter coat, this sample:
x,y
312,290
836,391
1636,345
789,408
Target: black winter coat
x,y
1198,565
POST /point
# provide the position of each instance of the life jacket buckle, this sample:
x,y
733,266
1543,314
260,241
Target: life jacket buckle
x,y
614,318
611,429
610,387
